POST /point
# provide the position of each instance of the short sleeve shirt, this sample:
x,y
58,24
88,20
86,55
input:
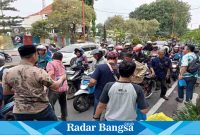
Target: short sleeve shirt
x,y
186,60
28,83
121,100
103,75
161,66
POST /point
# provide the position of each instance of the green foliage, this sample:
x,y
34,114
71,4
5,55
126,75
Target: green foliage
x,y
7,22
115,23
136,41
188,113
132,28
67,15
192,36
173,15
41,29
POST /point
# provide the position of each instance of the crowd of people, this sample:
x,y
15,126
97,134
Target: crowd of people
x,y
40,80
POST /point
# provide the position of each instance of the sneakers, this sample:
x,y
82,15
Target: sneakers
x,y
179,100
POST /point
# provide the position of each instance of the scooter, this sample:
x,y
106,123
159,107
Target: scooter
x,y
74,80
84,97
8,58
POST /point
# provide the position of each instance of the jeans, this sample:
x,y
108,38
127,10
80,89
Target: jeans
x,y
45,115
61,97
163,86
190,81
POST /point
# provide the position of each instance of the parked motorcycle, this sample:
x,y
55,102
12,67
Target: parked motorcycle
x,y
84,97
8,58
175,70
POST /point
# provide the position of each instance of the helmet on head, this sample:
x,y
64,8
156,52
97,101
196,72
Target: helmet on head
x,y
176,47
41,47
111,55
166,48
2,60
149,42
138,48
97,52
110,47
79,50
119,47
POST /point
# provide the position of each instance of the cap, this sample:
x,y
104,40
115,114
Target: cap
x,y
26,50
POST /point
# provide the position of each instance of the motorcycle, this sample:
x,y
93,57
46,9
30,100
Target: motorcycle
x,y
6,111
148,84
175,70
84,97
74,80
8,58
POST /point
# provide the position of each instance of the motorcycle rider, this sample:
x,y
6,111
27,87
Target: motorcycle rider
x,y
138,55
110,47
149,46
99,58
119,50
176,55
43,57
81,59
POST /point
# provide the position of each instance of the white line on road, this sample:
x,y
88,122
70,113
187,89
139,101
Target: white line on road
x,y
161,101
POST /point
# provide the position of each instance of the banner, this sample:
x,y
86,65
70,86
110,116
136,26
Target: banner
x,y
104,128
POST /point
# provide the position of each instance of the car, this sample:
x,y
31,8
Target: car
x,y
68,51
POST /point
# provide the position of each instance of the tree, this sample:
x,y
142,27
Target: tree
x,y
173,15
192,36
100,28
115,23
41,29
67,16
7,22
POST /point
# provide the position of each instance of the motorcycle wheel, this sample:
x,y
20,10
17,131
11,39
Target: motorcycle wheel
x,y
8,59
148,89
71,91
81,103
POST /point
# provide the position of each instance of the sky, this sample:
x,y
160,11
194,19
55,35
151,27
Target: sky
x,y
106,8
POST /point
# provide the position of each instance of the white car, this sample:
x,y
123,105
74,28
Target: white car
x,y
68,51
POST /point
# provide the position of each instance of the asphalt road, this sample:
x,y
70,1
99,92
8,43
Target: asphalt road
x,y
155,103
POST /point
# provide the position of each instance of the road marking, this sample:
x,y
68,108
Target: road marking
x,y
161,101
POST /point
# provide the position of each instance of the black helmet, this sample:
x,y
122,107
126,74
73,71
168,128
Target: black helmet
x,y
79,50
97,51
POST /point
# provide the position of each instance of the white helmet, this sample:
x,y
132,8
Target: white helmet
x,y
149,42
111,46
127,44
41,47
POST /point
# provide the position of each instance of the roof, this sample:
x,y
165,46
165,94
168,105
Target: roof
x,y
47,10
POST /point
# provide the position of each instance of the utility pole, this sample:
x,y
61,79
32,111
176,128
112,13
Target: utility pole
x,y
173,22
83,19
43,4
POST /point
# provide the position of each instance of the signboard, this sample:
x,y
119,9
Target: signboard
x,y
28,40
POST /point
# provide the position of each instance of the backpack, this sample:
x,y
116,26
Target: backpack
x,y
194,66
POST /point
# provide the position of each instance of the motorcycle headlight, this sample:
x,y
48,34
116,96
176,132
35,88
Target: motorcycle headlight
x,y
83,87
174,66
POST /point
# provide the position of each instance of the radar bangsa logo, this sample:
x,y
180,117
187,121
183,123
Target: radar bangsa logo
x,y
127,127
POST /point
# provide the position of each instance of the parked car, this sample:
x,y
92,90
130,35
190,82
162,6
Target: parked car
x,y
68,51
